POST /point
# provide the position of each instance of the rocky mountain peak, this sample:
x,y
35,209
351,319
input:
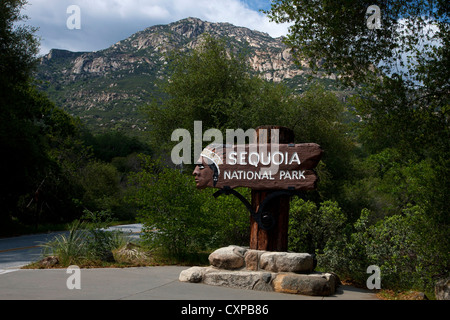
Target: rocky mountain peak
x,y
190,27
106,87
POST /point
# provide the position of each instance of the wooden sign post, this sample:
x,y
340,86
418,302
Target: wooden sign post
x,y
275,239
274,168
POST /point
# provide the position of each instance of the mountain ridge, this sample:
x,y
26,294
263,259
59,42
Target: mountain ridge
x,y
105,88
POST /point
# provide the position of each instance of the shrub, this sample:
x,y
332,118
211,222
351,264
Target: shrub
x,y
101,184
409,248
70,249
310,227
100,242
230,219
169,208
180,220
87,241
346,255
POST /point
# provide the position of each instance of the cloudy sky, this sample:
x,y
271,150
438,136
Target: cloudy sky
x,y
105,22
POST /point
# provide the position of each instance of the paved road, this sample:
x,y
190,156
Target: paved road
x,y
152,283
20,251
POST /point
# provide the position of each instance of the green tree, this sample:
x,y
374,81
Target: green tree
x,y
210,84
18,46
402,107
17,132
114,144
336,34
100,183
400,78
41,147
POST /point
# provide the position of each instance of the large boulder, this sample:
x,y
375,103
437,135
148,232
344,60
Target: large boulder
x,y
306,284
242,268
252,258
193,275
287,262
248,280
229,258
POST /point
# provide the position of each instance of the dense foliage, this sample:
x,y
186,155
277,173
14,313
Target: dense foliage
x,y
52,169
181,221
395,199
335,35
33,132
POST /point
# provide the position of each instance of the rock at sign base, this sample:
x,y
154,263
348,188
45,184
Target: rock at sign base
x,y
247,280
287,262
229,258
248,269
311,284
193,275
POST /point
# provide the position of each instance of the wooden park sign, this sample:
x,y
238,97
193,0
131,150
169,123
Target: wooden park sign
x,y
274,171
260,167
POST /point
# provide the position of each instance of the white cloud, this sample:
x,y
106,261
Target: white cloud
x,y
105,22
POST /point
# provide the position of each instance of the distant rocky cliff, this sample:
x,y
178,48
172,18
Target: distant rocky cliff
x,y
105,88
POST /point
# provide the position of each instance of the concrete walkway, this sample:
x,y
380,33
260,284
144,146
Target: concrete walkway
x,y
149,283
